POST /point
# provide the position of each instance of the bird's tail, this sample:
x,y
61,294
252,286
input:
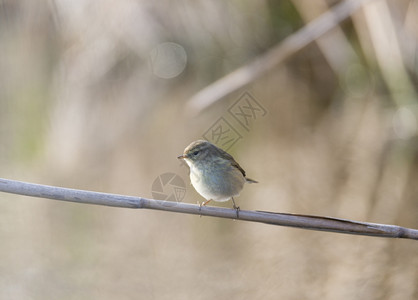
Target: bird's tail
x,y
249,180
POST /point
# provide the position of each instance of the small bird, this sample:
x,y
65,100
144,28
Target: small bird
x,y
214,173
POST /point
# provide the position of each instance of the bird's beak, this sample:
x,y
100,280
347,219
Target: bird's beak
x,y
181,157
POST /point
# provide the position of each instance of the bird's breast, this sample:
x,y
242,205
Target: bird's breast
x,y
218,183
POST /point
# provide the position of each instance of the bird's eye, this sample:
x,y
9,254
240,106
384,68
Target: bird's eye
x,y
195,153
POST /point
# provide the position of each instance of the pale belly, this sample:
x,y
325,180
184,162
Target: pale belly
x,y
217,185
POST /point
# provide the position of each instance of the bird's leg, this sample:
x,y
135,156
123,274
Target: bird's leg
x,y
205,202
235,207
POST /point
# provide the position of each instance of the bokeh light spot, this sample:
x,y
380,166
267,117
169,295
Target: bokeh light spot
x,y
168,60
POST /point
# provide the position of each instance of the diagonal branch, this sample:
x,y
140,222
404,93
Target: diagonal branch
x,y
285,49
282,219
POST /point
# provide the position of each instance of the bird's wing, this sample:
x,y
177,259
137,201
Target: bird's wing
x,y
233,162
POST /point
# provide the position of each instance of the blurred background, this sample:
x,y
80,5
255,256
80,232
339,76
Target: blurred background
x,y
96,95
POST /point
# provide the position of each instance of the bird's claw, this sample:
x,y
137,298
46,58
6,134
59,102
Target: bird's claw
x,y
237,209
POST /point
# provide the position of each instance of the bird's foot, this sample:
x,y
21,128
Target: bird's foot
x,y
203,204
237,209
